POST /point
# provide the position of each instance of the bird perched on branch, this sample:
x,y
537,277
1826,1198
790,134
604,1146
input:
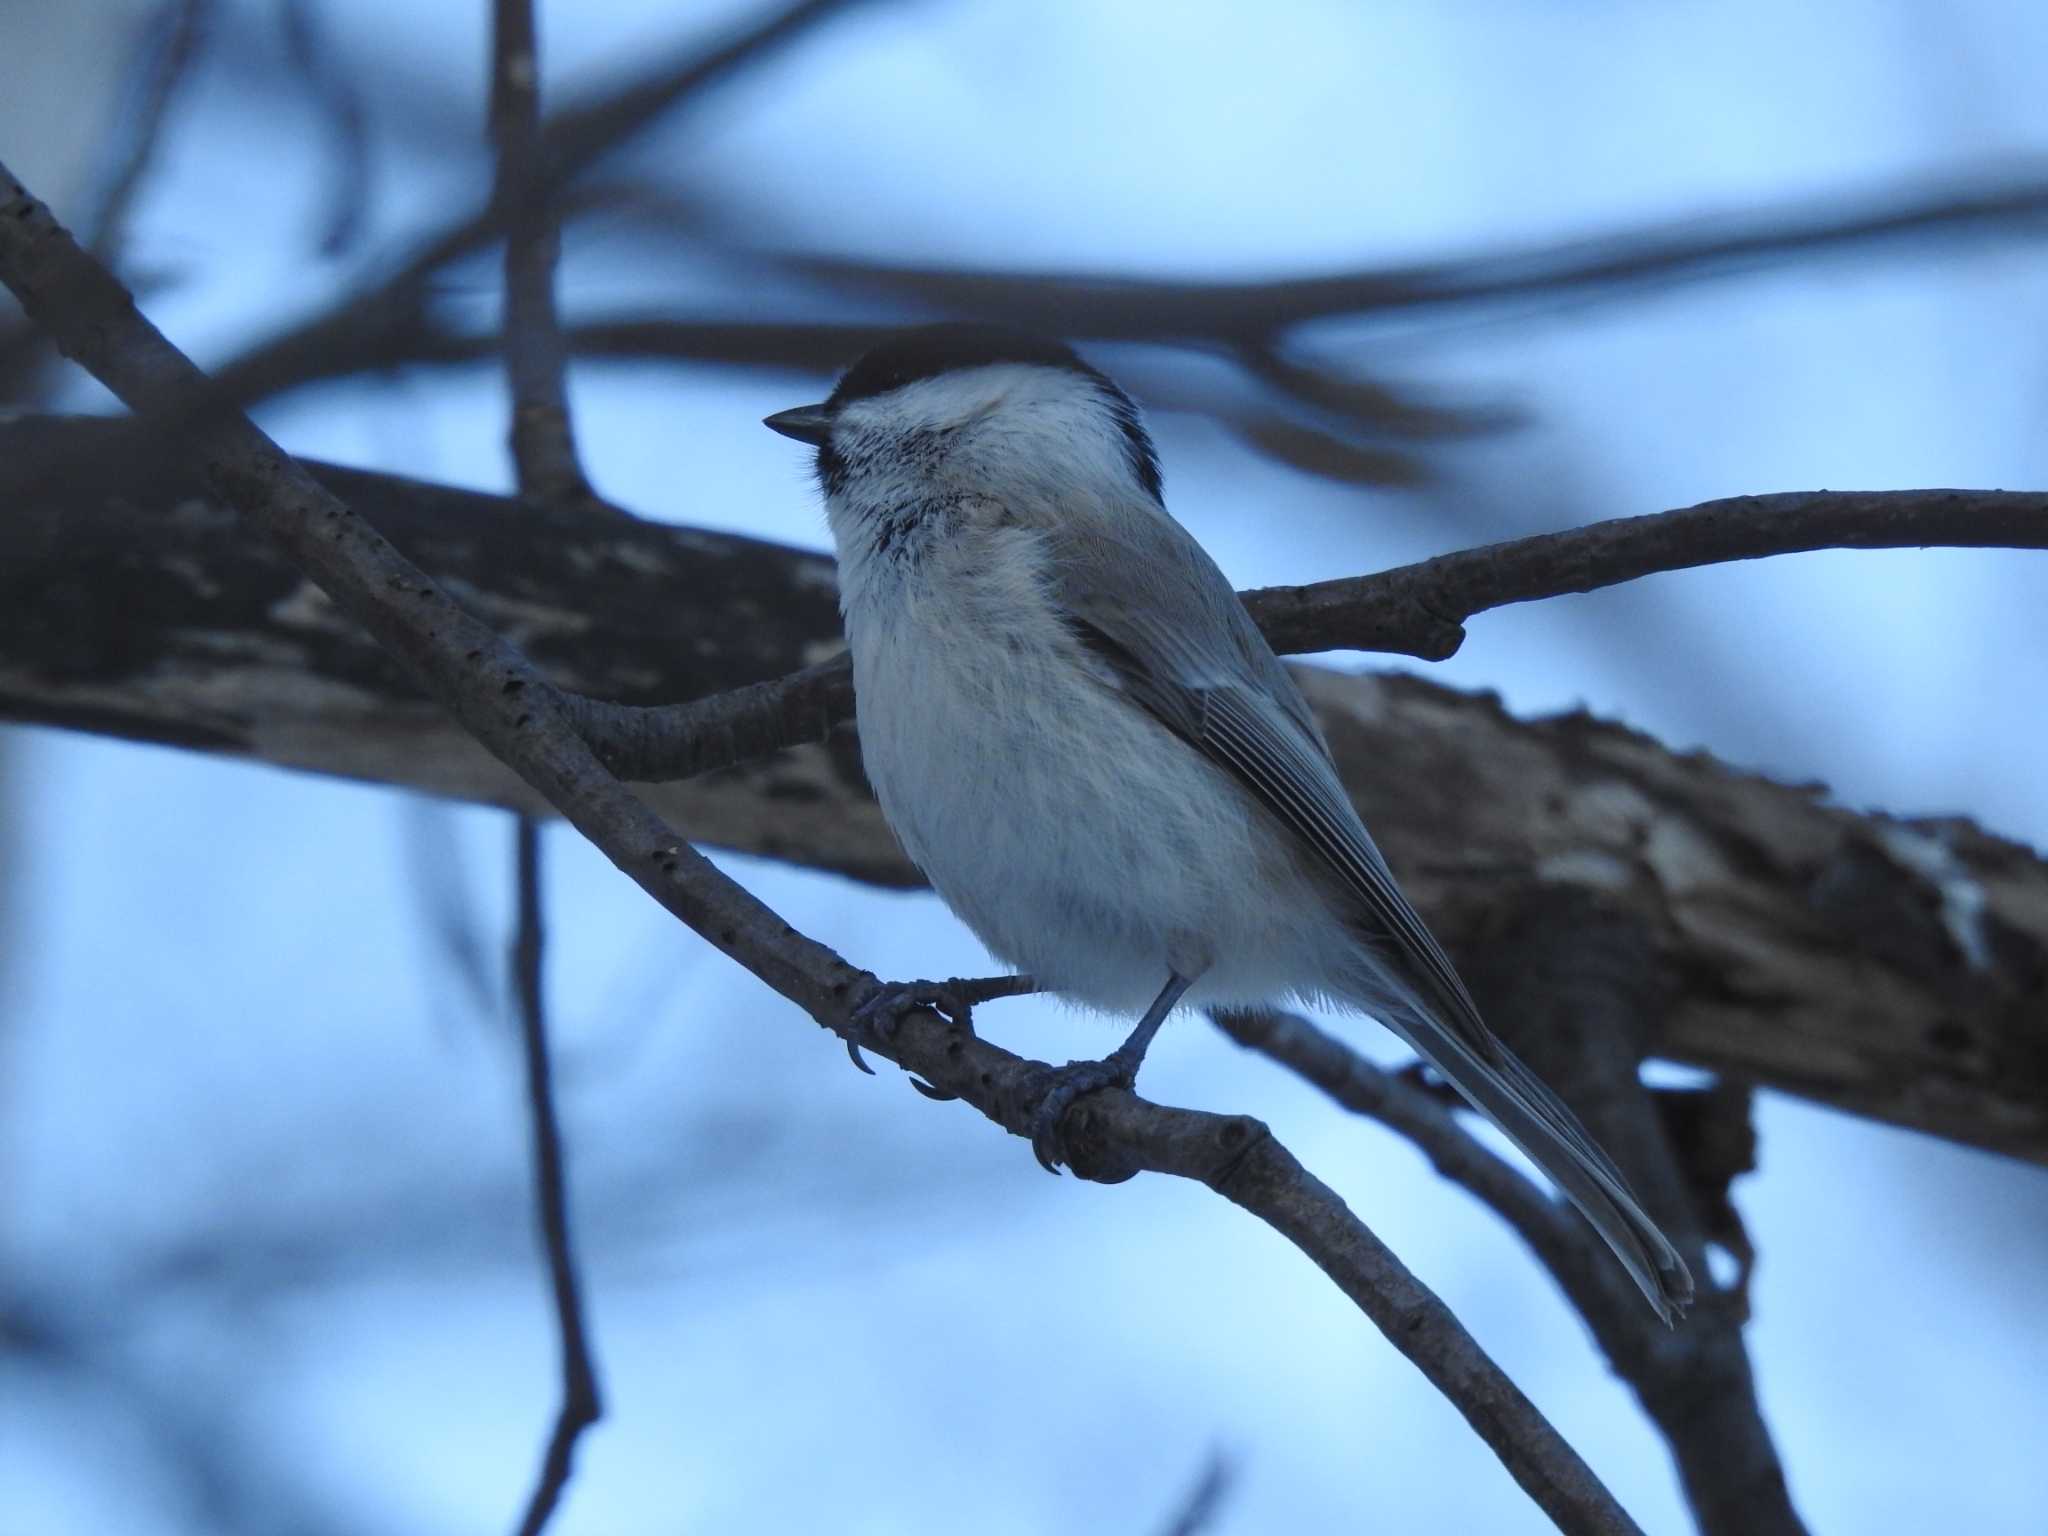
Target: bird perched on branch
x,y
1081,738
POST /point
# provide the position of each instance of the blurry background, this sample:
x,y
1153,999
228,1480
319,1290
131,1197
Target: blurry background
x,y
266,1255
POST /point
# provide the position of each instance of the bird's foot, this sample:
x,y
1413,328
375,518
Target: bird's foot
x,y
1064,1085
876,1020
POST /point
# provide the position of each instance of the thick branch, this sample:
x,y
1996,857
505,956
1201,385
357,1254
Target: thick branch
x,y
1574,986
503,700
1820,952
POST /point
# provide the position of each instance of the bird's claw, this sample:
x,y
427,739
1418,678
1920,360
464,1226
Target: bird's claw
x,y
875,1021
1063,1086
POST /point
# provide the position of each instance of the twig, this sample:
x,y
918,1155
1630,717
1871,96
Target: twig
x,y
164,60
1576,988
544,459
497,695
1086,305
1419,610
339,99
570,143
1695,1383
1563,1243
157,67
1204,1501
543,440
1415,610
581,1404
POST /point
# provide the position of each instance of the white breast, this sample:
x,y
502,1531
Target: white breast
x,y
1081,840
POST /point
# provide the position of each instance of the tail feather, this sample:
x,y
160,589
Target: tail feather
x,y
1537,1121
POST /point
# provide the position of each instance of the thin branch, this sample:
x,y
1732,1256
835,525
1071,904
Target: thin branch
x,y
497,694
172,35
1415,610
581,1404
1819,946
1203,1503
1575,986
544,459
158,66
1420,610
536,365
570,143
1364,413
664,741
339,98
1975,200
582,133
1561,1241
1695,1383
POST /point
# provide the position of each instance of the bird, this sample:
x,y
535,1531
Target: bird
x,y
1081,738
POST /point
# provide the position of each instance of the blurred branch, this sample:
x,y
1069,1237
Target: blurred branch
x,y
581,1403
1574,985
543,447
171,39
1204,1502
159,63
1695,1382
508,705
1969,202
1309,415
569,144
1823,953
1560,1239
536,364
339,99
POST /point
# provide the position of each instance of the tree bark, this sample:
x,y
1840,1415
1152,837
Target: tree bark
x,y
1893,969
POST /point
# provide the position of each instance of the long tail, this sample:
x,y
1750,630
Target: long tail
x,y
1536,1120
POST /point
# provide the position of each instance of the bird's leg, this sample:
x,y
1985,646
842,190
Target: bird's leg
x,y
875,1020
1119,1069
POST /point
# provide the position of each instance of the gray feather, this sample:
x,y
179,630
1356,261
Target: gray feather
x,y
1173,637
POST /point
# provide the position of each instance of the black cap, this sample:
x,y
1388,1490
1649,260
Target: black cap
x,y
928,351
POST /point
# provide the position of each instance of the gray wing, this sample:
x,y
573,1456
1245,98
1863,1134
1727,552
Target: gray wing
x,y
1153,605
1175,640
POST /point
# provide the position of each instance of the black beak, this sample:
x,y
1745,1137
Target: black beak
x,y
805,423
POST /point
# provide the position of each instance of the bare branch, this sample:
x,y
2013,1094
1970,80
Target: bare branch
x,y
500,697
544,458
1420,610
1204,1502
570,143
1417,610
1695,1383
172,36
582,1405
1559,1237
339,99
536,364
581,133
1967,201
1573,984
1824,953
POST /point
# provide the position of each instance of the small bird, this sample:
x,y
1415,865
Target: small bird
x,y
1086,745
